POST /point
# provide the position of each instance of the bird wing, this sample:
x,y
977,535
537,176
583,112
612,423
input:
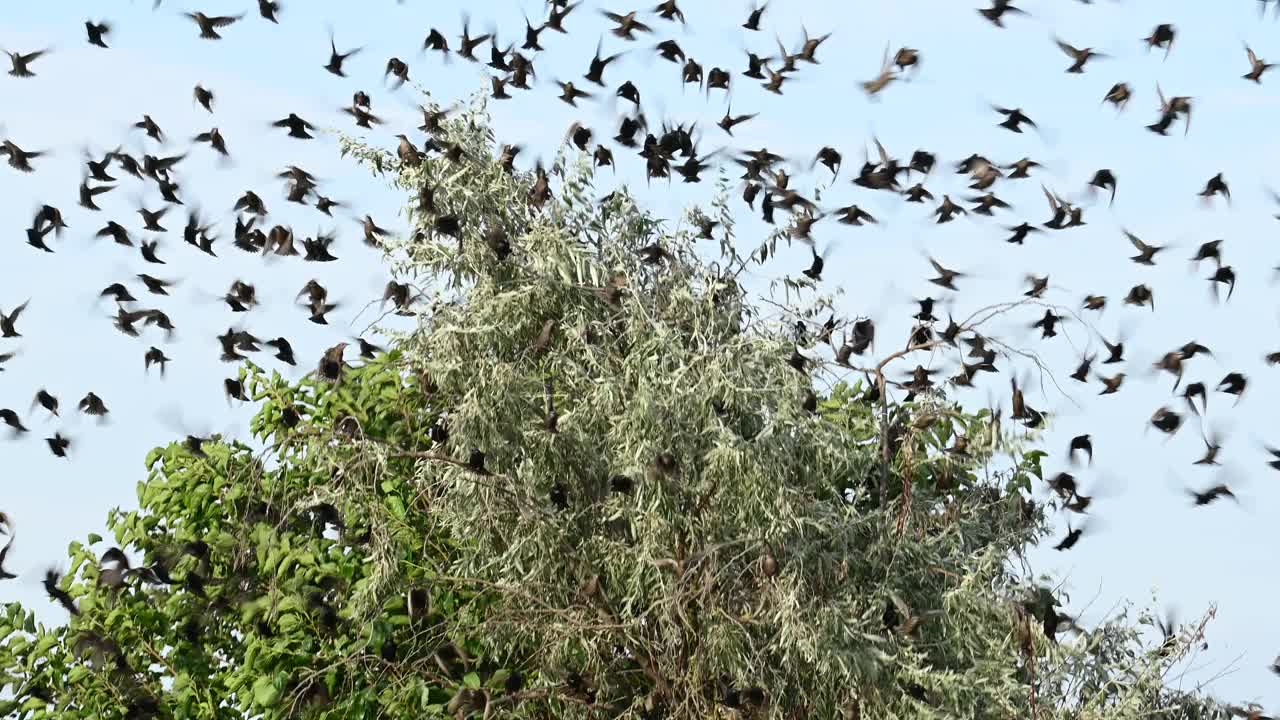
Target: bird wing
x,y
1053,201
13,316
1068,49
224,20
884,156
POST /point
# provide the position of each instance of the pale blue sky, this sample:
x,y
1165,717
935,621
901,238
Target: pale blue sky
x,y
1148,538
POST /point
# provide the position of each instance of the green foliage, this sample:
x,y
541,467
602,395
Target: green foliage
x,y
278,617
686,529
644,513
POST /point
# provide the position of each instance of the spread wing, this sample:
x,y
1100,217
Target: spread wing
x,y
1053,200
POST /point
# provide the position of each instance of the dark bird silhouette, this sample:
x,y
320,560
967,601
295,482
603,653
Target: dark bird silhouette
x,y
149,252
946,277
1191,349
58,445
1224,275
1104,179
467,45
1020,233
1216,186
435,40
1146,253
284,351
1111,385
556,16
1274,463
1207,496
1082,372
999,8
1079,56
1014,118
87,194
570,94
151,219
1166,421
35,238
4,554
1022,168
93,405
268,9
297,127
10,418
8,323
753,19
1068,542
1081,443
1038,286
19,159
627,24
1140,295
97,33
670,51
398,69
155,285
1213,446
1193,390
948,209
331,365
209,24
336,58
155,356
118,292
1211,250
595,72
1162,36
1119,95
56,594
1234,383
1048,324
1257,66
214,137
628,91
20,63
730,121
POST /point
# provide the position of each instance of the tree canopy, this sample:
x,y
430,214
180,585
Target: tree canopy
x,y
596,480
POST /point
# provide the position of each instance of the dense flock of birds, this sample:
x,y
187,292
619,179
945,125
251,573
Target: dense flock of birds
x,y
766,186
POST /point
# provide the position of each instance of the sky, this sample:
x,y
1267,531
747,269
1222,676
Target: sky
x,y
1144,537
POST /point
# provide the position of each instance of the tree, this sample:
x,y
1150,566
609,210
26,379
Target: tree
x,y
595,481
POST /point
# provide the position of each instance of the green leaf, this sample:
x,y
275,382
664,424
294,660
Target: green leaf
x,y
44,643
471,680
396,505
265,693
